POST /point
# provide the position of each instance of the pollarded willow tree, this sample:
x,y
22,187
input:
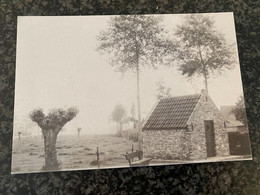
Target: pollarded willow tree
x,y
51,125
134,41
201,49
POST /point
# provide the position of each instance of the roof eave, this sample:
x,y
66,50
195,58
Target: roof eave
x,y
172,128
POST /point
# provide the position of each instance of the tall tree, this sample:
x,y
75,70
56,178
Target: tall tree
x,y
240,110
134,41
118,116
51,125
201,49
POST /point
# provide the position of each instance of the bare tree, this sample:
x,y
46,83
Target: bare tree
x,y
202,50
51,125
135,41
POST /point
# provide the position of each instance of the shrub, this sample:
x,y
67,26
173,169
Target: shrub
x,y
133,135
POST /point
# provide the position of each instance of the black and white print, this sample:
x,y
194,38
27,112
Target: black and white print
x,y
95,92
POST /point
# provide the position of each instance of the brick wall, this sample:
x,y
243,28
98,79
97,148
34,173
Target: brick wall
x,y
166,144
206,110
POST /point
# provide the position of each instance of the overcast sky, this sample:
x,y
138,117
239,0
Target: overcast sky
x,y
58,66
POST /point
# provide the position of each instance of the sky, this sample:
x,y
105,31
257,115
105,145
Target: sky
x,y
57,66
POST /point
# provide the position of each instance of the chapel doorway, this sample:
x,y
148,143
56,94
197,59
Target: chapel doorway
x,y
210,138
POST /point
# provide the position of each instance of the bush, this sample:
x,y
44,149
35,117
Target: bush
x,y
133,135
118,134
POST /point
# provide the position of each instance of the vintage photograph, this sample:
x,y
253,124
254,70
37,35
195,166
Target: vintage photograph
x,y
97,92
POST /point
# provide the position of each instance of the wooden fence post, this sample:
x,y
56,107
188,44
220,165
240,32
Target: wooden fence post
x,y
132,152
97,157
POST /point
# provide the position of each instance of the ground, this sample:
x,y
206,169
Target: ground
x,y
80,153
73,152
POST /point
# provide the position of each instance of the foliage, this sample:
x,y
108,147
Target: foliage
x,y
240,110
202,50
118,113
134,40
133,135
55,120
162,91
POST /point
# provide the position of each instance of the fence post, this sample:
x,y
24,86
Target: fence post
x,y
132,152
97,157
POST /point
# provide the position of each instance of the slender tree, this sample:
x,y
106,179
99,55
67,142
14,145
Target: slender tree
x,y
51,125
135,41
118,115
201,50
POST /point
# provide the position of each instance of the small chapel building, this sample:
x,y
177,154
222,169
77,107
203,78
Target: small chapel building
x,y
185,128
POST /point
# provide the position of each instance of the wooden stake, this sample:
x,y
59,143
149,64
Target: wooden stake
x,y
97,157
132,152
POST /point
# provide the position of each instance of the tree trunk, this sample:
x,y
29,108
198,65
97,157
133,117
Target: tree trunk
x,y
204,71
140,138
205,80
51,162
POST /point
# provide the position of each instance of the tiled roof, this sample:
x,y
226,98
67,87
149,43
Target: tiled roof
x,y
172,113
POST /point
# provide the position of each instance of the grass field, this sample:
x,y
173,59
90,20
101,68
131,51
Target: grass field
x,y
79,153
73,152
